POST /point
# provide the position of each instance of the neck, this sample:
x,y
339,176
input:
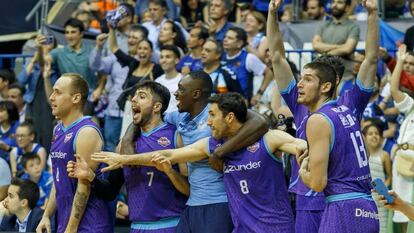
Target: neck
x,y
169,42
71,117
77,46
316,106
220,23
233,52
22,214
35,179
5,125
234,128
28,148
144,63
171,73
251,34
372,150
198,107
196,52
209,68
157,22
340,18
153,122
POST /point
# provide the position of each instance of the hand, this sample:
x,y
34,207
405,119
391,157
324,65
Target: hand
x,y
162,163
402,52
274,6
96,94
113,160
44,224
122,211
47,70
302,153
216,163
100,40
212,27
304,165
3,208
370,5
79,169
398,203
40,40
255,99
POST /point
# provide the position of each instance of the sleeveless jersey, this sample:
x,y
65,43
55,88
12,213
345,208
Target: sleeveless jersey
x,y
151,195
97,216
348,167
256,189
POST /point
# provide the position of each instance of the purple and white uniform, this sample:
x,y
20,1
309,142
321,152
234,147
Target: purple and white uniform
x,y
256,190
349,202
155,205
97,216
310,204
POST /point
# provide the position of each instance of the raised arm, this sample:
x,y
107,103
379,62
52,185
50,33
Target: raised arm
x,y
396,94
278,140
113,44
369,66
281,69
314,168
87,142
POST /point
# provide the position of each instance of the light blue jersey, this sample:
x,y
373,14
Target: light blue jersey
x,y
206,185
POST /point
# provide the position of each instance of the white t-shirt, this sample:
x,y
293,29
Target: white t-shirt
x,y
172,85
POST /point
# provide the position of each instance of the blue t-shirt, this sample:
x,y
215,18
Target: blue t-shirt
x,y
206,185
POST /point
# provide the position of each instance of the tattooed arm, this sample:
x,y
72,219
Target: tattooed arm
x,y
87,142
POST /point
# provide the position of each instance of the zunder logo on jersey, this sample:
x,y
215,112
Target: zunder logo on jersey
x,y
164,142
253,148
68,137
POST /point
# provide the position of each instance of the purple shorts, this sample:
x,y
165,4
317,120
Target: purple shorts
x,y
355,215
164,230
308,221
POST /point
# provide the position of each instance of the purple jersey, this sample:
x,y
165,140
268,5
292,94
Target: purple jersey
x,y
151,195
63,150
348,170
256,189
356,99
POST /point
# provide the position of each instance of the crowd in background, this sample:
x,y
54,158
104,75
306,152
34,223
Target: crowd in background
x,y
165,40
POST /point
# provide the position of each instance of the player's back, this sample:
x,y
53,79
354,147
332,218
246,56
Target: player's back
x,y
62,151
151,195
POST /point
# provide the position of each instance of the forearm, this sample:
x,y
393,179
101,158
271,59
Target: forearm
x,y
397,95
266,79
324,47
48,88
113,44
95,59
143,159
274,35
179,182
251,131
51,204
342,50
79,205
408,210
372,48
388,181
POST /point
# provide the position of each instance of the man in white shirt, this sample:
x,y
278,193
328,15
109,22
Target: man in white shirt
x,y
169,58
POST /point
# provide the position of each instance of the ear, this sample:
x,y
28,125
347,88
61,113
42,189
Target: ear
x,y
24,203
240,44
197,94
157,107
326,87
229,117
174,34
76,98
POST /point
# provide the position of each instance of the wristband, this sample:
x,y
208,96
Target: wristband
x,y
260,92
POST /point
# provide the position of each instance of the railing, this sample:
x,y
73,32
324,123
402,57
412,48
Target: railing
x,y
11,59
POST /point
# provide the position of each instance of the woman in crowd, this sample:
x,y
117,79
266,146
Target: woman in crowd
x,y
9,121
255,27
171,34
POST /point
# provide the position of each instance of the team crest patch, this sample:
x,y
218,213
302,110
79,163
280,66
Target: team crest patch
x,y
163,141
253,148
68,137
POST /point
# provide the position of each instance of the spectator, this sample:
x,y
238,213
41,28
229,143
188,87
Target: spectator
x,y
255,27
86,18
170,56
379,164
25,136
243,10
9,121
171,34
191,13
407,74
15,95
210,57
405,104
287,14
5,178
315,10
6,78
117,75
192,61
138,70
35,97
244,65
22,215
73,57
219,11
146,17
338,36
398,205
34,172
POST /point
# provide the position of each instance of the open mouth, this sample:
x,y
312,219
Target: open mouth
x,y
136,113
